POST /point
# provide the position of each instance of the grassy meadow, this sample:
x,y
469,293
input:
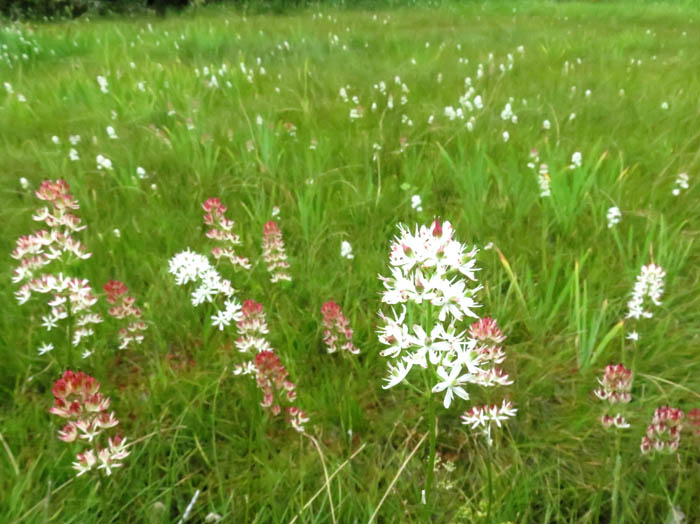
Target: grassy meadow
x,y
340,125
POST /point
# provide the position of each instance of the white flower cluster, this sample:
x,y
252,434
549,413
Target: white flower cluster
x,y
430,280
483,417
614,215
681,183
650,283
346,250
543,179
188,266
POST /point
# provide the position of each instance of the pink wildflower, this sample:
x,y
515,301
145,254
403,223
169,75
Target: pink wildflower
x,y
338,334
489,338
616,386
70,298
271,378
664,433
124,308
221,232
77,398
253,328
273,252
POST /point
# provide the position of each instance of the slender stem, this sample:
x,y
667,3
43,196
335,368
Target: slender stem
x,y
431,458
489,475
616,478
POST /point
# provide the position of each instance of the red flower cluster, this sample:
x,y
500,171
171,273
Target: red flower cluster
x,y
77,398
42,247
124,308
253,328
222,232
271,377
273,252
617,384
664,433
489,338
338,334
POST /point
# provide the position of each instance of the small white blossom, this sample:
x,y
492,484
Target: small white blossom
x,y
104,163
650,283
45,348
417,203
346,250
614,215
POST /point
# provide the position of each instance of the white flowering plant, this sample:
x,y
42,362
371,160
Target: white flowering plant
x,y
191,267
431,295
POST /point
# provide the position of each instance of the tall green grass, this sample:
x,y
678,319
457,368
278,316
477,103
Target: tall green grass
x,y
555,277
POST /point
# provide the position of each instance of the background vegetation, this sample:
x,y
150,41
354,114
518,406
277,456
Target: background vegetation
x,y
555,276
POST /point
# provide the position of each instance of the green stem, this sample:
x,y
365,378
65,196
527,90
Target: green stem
x,y
431,457
489,475
616,478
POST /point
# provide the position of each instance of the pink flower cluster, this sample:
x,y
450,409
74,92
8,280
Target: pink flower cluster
x,y
123,307
39,249
253,328
271,377
72,298
221,231
488,338
664,433
338,333
616,387
77,398
270,374
273,252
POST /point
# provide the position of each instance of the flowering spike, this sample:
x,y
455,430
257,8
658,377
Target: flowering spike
x,y
274,253
69,298
77,398
338,334
664,433
221,232
125,308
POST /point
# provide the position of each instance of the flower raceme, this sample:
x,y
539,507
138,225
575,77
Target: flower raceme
x,y
338,333
489,338
274,253
271,378
41,248
431,289
650,284
77,398
252,328
270,375
188,266
664,433
71,298
221,232
124,308
616,386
